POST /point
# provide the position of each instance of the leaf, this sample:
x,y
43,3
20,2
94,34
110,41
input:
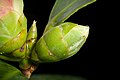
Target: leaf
x,y
63,9
8,72
55,77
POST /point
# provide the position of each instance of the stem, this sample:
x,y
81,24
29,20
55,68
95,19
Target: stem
x,y
29,71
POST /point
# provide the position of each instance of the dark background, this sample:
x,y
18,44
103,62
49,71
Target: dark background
x,y
82,64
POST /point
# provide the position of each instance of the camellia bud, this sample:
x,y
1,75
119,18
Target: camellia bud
x,y
30,43
60,42
13,27
31,38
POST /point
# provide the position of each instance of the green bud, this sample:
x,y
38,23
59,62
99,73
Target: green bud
x,y
31,38
13,28
30,42
60,42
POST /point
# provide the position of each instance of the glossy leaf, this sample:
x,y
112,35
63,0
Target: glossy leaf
x,y
63,9
8,72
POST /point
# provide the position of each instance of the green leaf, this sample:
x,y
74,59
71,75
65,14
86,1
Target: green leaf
x,y
63,9
8,72
55,77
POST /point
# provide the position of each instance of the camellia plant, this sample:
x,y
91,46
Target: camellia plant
x,y
59,41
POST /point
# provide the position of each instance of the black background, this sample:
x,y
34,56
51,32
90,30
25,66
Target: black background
x,y
84,63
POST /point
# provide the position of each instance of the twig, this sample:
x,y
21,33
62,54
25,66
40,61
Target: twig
x,y
29,71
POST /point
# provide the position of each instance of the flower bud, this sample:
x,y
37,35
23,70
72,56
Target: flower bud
x,y
13,27
31,38
60,42
30,43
